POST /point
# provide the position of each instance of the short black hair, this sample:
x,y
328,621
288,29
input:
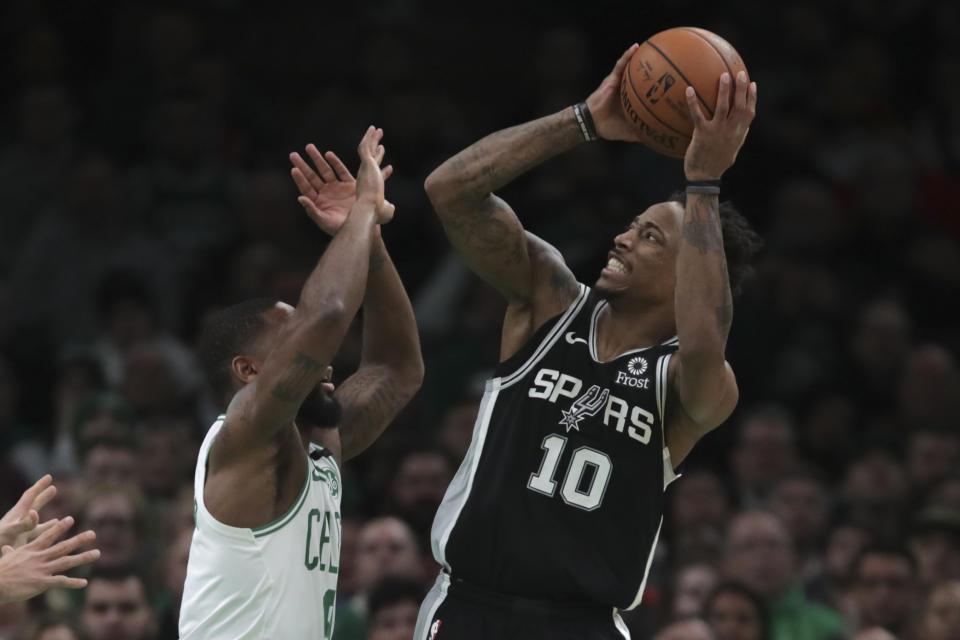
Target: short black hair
x,y
740,242
394,590
226,334
747,593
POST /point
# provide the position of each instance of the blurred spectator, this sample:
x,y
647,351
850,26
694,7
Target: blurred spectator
x,y
129,316
686,630
51,627
800,499
934,542
759,553
116,513
173,575
691,586
874,490
874,633
387,547
393,606
929,393
734,612
110,458
116,606
168,449
456,428
884,589
940,617
698,507
417,487
931,456
12,616
846,539
765,447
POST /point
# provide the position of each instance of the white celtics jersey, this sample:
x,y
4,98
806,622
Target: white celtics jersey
x,y
277,581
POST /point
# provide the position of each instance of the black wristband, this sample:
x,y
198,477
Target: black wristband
x,y
703,187
585,121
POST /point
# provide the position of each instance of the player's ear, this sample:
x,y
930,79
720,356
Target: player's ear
x,y
244,368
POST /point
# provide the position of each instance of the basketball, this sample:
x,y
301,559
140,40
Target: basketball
x,y
656,78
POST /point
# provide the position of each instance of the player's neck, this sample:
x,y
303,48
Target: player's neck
x,y
623,327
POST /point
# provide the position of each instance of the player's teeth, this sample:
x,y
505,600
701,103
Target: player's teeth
x,y
615,265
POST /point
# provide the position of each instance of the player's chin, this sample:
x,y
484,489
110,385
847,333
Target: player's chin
x,y
608,286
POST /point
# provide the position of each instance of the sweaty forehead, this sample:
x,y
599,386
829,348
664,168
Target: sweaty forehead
x,y
666,215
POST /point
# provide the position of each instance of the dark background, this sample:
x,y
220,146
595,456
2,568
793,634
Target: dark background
x,y
144,183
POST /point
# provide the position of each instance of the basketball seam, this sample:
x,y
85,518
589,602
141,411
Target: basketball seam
x,y
712,46
640,98
680,73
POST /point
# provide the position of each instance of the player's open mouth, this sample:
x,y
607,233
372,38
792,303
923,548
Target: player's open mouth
x,y
616,265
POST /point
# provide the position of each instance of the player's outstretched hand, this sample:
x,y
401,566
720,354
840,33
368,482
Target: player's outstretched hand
x,y
717,141
604,104
39,564
370,181
327,192
20,523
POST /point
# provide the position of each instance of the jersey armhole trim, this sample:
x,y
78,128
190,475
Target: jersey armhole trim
x,y
329,457
663,366
549,340
289,514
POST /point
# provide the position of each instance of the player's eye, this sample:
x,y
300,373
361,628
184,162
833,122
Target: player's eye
x,y
649,235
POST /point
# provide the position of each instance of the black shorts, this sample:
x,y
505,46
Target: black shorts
x,y
454,610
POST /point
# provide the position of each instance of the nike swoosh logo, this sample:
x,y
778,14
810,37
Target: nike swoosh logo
x,y
574,340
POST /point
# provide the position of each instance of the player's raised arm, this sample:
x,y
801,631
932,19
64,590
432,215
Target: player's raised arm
x,y
308,340
703,381
485,230
391,365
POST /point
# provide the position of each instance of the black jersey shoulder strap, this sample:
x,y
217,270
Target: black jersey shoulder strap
x,y
520,363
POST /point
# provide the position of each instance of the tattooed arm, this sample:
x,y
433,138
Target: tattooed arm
x,y
307,340
702,380
391,365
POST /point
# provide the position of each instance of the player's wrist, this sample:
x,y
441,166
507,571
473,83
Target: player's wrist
x,y
584,120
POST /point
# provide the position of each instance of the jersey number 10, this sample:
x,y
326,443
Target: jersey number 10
x,y
573,493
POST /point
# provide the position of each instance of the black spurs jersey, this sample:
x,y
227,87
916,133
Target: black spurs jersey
x,y
561,493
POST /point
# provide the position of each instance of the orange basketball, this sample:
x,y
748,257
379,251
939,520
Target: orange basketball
x,y
656,79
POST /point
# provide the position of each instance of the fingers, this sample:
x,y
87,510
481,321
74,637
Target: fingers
x,y
48,537
338,167
387,171
29,497
40,528
26,523
370,141
6,549
69,583
45,497
694,106
303,184
307,203
624,59
723,98
72,544
71,562
740,95
325,171
752,99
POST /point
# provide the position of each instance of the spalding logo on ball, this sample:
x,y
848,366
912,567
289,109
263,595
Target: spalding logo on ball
x,y
653,87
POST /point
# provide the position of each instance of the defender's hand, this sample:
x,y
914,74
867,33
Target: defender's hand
x,y
604,104
370,181
39,565
328,192
717,141
20,523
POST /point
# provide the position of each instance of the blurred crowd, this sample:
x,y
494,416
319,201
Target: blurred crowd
x,y
144,184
